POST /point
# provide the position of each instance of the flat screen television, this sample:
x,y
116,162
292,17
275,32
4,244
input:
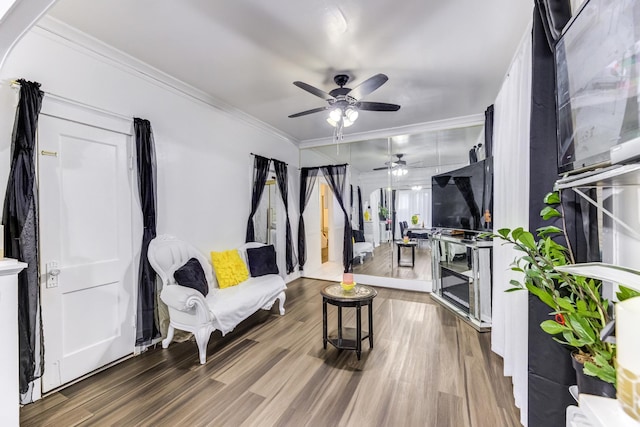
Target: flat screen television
x,y
460,198
597,74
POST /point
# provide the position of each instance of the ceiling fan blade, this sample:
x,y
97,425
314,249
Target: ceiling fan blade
x,y
393,165
368,86
304,113
314,90
377,106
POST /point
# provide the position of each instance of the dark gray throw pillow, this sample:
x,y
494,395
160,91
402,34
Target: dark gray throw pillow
x,y
192,276
262,261
358,235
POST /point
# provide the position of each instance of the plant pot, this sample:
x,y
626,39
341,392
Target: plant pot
x,y
592,385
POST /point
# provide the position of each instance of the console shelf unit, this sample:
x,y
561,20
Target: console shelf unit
x,y
462,277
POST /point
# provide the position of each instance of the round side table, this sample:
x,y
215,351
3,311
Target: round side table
x,y
348,338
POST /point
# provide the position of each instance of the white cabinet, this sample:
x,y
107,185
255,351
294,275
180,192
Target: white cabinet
x,y
9,386
369,233
596,411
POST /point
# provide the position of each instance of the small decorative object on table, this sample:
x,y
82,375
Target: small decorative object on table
x,y
347,282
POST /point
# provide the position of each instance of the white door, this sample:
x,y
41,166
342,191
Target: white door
x,y
87,284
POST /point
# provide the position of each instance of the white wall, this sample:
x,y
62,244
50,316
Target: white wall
x,y
203,153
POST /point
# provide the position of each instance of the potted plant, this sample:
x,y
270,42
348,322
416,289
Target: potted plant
x,y
383,213
579,313
414,219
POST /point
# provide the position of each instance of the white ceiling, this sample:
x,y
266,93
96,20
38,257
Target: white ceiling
x,y
444,58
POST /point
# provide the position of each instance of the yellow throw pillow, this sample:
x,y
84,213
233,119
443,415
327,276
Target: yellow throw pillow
x,y
229,267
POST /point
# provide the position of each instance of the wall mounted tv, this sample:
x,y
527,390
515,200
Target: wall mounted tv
x,y
597,72
461,197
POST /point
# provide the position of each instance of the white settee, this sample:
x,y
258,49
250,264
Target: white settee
x,y
360,246
221,309
360,249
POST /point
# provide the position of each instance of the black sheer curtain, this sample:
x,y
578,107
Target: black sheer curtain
x,y
464,185
336,176
351,210
147,325
393,214
307,181
360,213
488,131
282,179
20,218
260,172
549,367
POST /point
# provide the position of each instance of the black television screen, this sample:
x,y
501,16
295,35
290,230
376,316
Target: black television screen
x,y
597,72
462,198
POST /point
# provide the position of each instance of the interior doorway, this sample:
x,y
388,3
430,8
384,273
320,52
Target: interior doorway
x,y
87,282
324,222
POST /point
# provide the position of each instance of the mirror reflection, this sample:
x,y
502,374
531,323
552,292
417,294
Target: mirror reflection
x,y
391,180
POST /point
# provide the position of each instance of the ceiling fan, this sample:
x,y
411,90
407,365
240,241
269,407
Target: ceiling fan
x,y
345,102
397,168
395,164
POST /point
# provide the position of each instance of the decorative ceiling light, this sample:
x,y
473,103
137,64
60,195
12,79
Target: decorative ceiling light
x,y
347,116
399,171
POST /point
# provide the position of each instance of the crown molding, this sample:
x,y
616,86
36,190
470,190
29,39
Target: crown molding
x,y
78,40
453,123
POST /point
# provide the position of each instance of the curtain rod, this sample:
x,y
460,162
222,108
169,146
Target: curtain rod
x,y
15,84
325,166
269,158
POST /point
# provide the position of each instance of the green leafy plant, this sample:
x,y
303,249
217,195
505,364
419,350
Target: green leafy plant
x,y
578,309
414,219
383,213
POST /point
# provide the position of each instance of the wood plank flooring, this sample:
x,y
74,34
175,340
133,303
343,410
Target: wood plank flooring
x,y
427,368
381,263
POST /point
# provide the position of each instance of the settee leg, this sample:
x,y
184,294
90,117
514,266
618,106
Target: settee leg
x,y
169,338
202,339
281,298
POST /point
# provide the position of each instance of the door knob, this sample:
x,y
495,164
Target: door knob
x,y
52,274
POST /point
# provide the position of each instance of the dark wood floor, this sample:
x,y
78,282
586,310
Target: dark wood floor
x,y
427,369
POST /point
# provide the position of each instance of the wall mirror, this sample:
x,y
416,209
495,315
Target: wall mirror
x,y
269,220
394,177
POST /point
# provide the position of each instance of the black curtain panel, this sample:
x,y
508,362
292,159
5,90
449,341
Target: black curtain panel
x,y
336,176
554,16
307,181
464,186
550,372
351,205
488,131
20,219
147,325
282,179
360,212
393,214
260,172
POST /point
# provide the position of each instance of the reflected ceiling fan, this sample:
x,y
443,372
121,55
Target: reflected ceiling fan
x,y
345,103
398,166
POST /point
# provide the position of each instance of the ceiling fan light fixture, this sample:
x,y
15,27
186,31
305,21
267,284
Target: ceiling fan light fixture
x,y
399,171
335,115
348,116
351,114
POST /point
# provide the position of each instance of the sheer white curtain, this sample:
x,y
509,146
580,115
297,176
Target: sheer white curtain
x,y
412,202
511,209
